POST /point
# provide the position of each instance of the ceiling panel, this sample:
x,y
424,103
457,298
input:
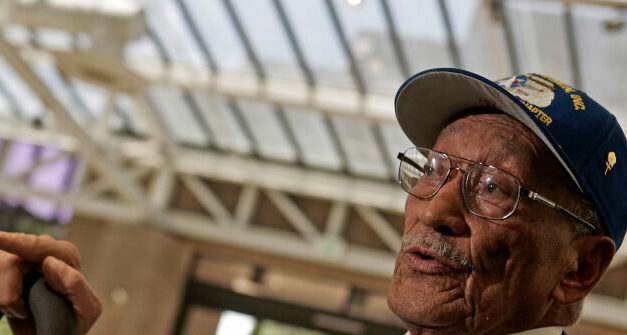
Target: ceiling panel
x,y
480,38
7,110
269,134
269,40
167,23
369,40
176,116
321,48
28,103
48,73
539,30
227,132
218,32
124,106
312,135
95,100
602,54
395,141
422,33
361,148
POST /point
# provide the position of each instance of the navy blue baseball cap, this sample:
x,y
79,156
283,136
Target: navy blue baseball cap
x,y
585,138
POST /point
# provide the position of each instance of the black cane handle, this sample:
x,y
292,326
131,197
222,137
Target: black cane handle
x,y
52,312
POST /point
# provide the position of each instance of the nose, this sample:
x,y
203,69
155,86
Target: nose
x,y
444,212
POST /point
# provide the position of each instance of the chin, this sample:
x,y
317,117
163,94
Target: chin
x,y
433,304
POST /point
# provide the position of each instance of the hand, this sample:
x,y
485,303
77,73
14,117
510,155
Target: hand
x,y
59,261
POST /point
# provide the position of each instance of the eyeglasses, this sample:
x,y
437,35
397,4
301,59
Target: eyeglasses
x,y
488,192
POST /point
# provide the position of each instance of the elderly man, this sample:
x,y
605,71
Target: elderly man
x,y
517,203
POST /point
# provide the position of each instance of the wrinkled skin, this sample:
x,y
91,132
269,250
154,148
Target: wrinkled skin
x,y
516,263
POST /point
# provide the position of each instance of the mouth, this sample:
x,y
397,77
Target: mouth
x,y
427,261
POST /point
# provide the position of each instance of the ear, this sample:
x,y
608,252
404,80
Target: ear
x,y
589,259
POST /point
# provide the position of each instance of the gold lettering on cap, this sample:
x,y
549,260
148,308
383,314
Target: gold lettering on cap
x,y
611,160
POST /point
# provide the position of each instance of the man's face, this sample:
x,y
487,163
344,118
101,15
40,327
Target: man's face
x,y
512,265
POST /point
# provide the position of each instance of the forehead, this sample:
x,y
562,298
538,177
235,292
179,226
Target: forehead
x,y
494,139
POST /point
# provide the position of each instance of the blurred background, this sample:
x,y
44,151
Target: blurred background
x,y
228,166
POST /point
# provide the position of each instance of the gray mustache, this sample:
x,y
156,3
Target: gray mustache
x,y
440,245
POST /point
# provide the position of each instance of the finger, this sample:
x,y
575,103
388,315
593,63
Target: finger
x,y
13,270
70,282
35,249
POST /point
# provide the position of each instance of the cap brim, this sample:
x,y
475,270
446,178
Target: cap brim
x,y
429,100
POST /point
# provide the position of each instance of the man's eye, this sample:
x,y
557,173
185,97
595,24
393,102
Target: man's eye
x,y
492,188
429,171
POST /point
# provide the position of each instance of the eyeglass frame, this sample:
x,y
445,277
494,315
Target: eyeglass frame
x,y
529,193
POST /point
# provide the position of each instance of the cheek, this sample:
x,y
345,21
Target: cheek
x,y
509,276
490,260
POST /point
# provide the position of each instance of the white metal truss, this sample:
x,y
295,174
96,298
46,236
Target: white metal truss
x,y
100,162
277,181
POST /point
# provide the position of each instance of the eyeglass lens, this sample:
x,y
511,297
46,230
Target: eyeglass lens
x,y
487,191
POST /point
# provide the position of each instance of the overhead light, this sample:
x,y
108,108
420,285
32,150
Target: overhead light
x,y
354,3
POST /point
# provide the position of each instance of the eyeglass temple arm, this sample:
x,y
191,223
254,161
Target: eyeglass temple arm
x,y
547,202
407,160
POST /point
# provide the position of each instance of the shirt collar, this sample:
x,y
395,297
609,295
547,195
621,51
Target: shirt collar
x,y
536,331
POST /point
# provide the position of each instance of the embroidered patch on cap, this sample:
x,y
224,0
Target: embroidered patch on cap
x,y
531,88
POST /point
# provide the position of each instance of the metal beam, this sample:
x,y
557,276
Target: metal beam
x,y
339,31
294,215
336,220
44,137
200,42
367,261
76,98
147,155
327,100
160,190
201,120
207,199
572,47
245,205
287,27
160,46
100,186
450,35
116,211
397,44
112,173
381,227
11,100
239,28
156,127
243,125
289,133
383,151
287,178
337,143
509,37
